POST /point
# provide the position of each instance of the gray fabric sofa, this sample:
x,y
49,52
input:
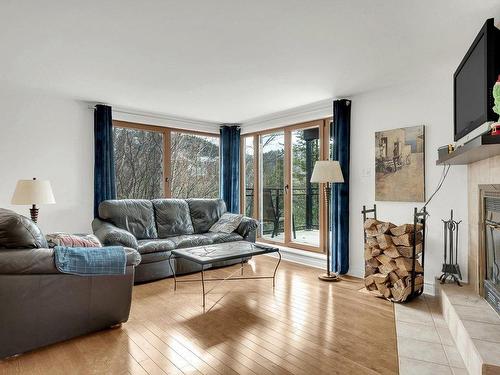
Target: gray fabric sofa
x,y
156,227
39,305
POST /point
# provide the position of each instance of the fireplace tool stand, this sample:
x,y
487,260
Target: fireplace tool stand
x,y
451,269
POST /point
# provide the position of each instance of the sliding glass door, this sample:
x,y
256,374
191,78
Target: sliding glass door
x,y
305,195
278,191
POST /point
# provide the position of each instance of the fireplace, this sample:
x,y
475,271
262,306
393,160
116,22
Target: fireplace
x,y
489,252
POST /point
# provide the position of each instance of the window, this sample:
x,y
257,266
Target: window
x,y
249,161
155,162
138,163
195,166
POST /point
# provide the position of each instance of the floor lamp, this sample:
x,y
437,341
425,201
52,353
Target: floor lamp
x,y
327,172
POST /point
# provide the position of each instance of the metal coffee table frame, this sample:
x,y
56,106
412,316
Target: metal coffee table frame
x,y
266,250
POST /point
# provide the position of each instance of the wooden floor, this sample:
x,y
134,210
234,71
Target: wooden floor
x,y
304,327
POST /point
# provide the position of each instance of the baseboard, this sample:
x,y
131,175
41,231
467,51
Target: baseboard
x,y
306,258
310,259
430,288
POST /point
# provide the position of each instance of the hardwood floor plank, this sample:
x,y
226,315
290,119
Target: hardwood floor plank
x,y
302,327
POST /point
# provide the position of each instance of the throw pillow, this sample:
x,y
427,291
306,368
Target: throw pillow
x,y
73,240
227,223
19,232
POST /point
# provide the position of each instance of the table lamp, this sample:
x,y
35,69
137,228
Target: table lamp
x,y
33,192
327,172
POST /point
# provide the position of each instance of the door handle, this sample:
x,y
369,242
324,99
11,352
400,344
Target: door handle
x,y
286,189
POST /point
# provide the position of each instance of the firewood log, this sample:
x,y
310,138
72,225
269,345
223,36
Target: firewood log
x,y
369,270
393,276
383,289
373,262
400,293
371,241
376,251
370,223
392,252
407,251
419,281
388,268
368,253
380,278
384,259
369,280
405,228
398,289
401,272
406,264
370,226
384,241
405,239
385,228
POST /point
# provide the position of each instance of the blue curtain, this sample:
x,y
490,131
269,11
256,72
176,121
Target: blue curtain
x,y
230,166
340,131
104,162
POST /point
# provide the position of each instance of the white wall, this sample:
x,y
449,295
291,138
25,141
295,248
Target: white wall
x,y
48,137
427,102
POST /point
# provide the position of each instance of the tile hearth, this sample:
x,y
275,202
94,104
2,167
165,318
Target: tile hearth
x,y
425,345
475,328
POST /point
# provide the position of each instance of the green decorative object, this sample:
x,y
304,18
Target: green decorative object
x,y
496,96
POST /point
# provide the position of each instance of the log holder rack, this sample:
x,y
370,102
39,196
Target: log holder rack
x,y
419,217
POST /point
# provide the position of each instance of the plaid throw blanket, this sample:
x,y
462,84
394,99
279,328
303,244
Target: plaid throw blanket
x,y
90,260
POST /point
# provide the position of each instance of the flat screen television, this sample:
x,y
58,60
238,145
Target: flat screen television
x,y
474,80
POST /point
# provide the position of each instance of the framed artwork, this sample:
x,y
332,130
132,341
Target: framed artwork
x,y
400,164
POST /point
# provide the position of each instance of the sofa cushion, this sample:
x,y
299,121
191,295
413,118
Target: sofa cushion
x,y
172,217
155,245
190,240
19,232
227,223
205,213
223,237
133,215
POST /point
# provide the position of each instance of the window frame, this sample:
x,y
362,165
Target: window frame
x,y
167,154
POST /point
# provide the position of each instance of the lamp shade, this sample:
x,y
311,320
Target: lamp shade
x,y
33,192
327,171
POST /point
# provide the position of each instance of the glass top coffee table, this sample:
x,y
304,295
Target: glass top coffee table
x,y
206,255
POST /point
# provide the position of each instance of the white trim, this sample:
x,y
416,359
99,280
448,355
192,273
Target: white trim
x,y
430,288
307,258
161,119
308,112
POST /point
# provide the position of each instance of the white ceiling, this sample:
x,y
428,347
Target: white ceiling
x,y
230,60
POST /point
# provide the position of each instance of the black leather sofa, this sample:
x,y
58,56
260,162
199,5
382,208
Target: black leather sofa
x,y
156,227
39,305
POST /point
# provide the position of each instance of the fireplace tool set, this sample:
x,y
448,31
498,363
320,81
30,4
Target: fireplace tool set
x,y
451,269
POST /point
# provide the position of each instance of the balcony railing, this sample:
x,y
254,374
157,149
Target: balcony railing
x,y
305,209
